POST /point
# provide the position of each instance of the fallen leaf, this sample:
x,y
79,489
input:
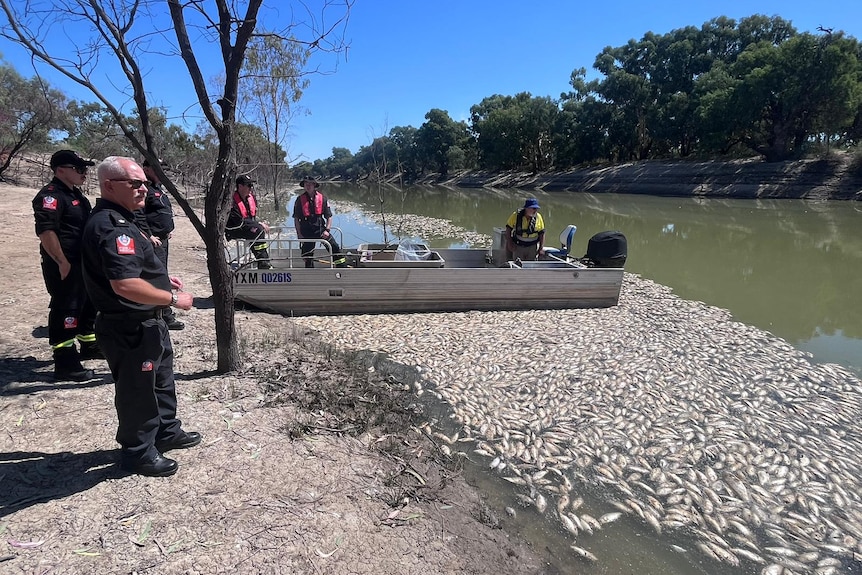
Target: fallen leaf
x,y
25,544
86,553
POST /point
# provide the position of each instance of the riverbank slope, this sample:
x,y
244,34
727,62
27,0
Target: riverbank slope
x,y
835,178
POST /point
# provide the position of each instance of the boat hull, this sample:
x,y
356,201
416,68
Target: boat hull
x,y
299,291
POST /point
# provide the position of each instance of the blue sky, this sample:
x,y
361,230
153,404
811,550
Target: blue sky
x,y
407,57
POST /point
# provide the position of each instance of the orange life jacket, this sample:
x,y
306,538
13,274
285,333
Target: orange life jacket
x,y
305,205
252,205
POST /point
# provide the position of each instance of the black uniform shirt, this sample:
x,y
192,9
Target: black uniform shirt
x,y
160,216
63,210
114,248
313,226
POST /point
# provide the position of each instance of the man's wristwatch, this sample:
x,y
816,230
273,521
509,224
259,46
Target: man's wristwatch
x,y
174,298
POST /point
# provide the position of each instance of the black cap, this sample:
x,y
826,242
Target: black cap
x,y
69,158
309,179
244,180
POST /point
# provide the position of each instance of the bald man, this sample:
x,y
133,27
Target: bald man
x,y
130,288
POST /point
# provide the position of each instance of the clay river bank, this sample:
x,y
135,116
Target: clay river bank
x,y
837,177
342,445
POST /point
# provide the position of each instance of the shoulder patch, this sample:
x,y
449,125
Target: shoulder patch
x,y
49,203
125,245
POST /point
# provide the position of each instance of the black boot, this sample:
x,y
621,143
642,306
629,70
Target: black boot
x,y
67,366
262,257
309,263
171,320
91,350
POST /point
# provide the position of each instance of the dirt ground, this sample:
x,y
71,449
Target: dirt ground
x,y
311,462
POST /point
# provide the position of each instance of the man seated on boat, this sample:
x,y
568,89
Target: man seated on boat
x,y
312,218
242,221
525,233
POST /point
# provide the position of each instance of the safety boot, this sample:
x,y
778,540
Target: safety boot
x,y
67,366
91,350
262,257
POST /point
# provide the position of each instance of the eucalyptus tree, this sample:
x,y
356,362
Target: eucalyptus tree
x,y
403,139
581,130
340,164
514,132
439,140
29,111
275,79
118,50
498,123
773,98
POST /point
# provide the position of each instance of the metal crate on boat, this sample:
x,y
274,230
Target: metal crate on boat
x,y
398,256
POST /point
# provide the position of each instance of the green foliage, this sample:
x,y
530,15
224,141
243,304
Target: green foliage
x,y
30,112
435,138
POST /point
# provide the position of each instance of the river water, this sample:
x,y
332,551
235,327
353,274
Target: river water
x,y
791,267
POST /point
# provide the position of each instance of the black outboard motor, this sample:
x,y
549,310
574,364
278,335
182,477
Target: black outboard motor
x,y
607,250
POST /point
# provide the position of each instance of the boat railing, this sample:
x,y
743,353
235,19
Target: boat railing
x,y
284,249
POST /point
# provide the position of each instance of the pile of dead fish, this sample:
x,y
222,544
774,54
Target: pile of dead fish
x,y
709,431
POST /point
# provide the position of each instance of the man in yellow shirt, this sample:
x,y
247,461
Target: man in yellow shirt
x,y
525,233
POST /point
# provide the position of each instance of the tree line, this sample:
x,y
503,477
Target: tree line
x,y
753,87
727,89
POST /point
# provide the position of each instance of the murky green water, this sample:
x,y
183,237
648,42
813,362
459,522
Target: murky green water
x,y
791,267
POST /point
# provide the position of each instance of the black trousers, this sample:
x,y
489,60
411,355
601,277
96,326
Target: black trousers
x,y
162,254
307,248
255,232
141,358
70,311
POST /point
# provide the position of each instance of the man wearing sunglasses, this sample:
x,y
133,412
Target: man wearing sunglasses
x,y
131,288
61,210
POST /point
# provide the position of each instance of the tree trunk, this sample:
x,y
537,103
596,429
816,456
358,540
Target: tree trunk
x,y
221,276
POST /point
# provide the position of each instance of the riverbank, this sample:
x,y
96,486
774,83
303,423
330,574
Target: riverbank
x,y
834,178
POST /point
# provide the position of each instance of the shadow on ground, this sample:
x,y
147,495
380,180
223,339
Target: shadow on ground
x,y
36,477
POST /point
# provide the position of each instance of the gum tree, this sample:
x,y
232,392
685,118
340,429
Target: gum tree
x,y
119,47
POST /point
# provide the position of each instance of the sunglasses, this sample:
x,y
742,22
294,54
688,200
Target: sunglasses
x,y
135,184
80,169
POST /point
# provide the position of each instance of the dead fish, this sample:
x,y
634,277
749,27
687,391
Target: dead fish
x,y
583,553
568,524
610,517
541,503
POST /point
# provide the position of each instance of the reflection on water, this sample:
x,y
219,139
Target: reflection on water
x,y
791,267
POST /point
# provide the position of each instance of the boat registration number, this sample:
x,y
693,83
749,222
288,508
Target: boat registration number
x,y
263,278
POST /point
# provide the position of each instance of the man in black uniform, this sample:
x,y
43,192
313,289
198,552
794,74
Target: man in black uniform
x,y
242,222
130,288
312,218
157,221
61,210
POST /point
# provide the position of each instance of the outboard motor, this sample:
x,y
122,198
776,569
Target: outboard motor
x,y
607,250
